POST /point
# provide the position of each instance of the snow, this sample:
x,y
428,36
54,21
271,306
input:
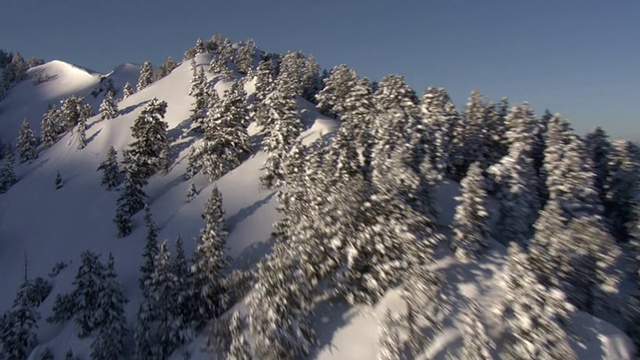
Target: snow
x,y
48,225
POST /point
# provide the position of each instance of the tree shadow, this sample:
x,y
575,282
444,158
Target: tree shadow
x,y
328,317
244,213
251,255
92,137
131,108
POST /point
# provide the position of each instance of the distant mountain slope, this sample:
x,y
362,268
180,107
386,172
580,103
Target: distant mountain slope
x,y
47,84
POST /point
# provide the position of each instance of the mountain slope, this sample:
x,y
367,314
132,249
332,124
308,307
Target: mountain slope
x,y
48,225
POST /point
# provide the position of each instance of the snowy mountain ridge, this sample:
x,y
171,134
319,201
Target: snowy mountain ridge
x,y
43,225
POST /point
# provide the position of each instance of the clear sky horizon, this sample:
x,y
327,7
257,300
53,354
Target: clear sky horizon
x,y
580,58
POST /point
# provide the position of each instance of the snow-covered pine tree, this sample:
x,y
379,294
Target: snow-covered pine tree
x,y
111,318
240,348
150,138
20,325
132,197
332,98
590,277
209,260
219,64
621,186
192,192
58,182
470,223
146,76
127,90
187,311
469,139
7,175
312,81
202,95
533,312
291,72
72,109
283,130
422,293
226,139
599,147
82,132
476,344
264,85
110,178
149,254
88,286
108,108
516,180
279,307
27,143
171,330
495,132
395,96
388,339
51,126
244,56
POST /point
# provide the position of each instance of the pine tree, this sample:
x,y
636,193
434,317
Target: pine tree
x,y
332,98
88,285
82,133
240,348
112,328
110,174
226,139
148,150
476,344
19,335
72,110
146,76
131,200
58,182
468,141
108,107
171,331
51,126
187,312
534,313
284,129
149,254
470,224
209,260
244,56
219,64
27,143
202,95
516,180
424,298
264,85
621,185
388,339
7,175
279,308
127,90
192,192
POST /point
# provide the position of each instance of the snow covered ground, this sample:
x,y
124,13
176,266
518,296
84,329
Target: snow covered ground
x,y
46,226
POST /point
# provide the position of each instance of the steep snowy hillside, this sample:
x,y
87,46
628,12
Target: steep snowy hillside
x,y
45,225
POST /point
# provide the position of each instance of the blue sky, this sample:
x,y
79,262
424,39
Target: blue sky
x,y
580,58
